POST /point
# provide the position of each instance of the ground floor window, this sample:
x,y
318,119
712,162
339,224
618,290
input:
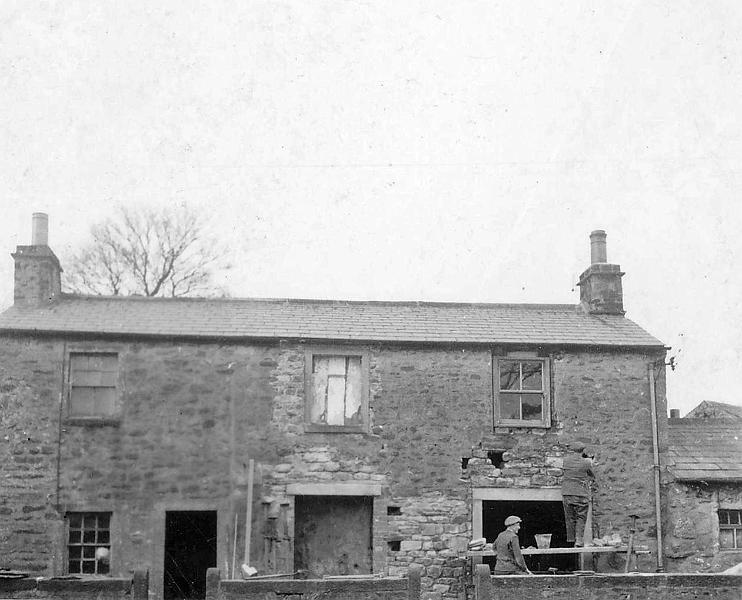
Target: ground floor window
x,y
89,543
730,529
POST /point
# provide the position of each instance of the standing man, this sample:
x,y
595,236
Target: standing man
x,y
507,548
576,489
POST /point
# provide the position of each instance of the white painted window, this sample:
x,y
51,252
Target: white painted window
x,y
521,388
93,382
730,529
88,543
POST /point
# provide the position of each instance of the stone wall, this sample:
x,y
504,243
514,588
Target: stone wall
x,y
693,535
646,586
195,413
135,588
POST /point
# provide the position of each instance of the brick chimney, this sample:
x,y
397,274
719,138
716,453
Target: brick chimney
x,y
600,284
37,269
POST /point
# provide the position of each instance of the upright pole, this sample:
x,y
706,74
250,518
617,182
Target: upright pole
x,y
656,468
248,513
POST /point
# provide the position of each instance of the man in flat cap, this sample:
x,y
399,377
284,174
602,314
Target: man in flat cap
x,y
576,489
507,548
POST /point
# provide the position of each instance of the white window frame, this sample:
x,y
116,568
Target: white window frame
x,y
93,418
735,528
545,421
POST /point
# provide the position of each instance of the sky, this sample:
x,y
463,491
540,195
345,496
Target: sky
x,y
437,151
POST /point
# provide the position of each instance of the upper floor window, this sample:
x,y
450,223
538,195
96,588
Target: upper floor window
x,y
88,542
93,382
730,529
521,392
336,393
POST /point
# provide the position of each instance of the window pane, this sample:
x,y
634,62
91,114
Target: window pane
x,y
509,375
726,538
510,406
319,391
353,386
75,536
532,377
336,400
723,517
88,566
75,552
73,567
103,520
75,520
104,537
82,401
336,366
88,551
734,517
531,407
103,567
105,398
88,536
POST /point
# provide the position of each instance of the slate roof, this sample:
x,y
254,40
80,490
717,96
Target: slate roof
x,y
423,322
705,449
708,409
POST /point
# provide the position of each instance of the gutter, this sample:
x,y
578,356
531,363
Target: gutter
x,y
656,468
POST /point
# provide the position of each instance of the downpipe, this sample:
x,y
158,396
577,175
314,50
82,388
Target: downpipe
x,y
656,468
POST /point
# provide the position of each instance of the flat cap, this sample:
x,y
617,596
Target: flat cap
x,y
512,520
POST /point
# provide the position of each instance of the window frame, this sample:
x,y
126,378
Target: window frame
x,y
341,351
114,417
735,528
545,421
67,543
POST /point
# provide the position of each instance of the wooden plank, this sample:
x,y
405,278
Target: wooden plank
x,y
588,550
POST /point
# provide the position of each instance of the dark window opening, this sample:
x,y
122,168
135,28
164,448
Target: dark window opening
x,y
730,529
464,462
394,545
538,517
89,543
190,549
496,458
394,510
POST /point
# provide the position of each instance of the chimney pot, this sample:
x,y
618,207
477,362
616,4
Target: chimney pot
x,y
40,229
674,413
598,251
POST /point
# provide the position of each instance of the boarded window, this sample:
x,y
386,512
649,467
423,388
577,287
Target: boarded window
x,y
730,529
521,392
336,391
93,380
89,543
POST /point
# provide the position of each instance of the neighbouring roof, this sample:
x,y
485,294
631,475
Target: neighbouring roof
x,y
705,449
709,409
328,320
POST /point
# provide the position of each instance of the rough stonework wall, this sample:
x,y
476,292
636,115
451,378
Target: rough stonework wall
x,y
30,384
693,536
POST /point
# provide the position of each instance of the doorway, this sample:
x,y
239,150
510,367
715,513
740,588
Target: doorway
x,y
190,549
333,535
538,517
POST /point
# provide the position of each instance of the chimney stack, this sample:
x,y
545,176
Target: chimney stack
x,y
600,284
40,229
37,269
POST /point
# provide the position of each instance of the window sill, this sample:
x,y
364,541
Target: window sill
x,y
321,428
93,421
523,424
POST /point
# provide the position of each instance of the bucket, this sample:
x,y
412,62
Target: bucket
x,y
543,540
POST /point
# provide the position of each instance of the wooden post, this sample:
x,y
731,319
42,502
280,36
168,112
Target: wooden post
x,y
213,583
414,574
482,583
234,548
248,511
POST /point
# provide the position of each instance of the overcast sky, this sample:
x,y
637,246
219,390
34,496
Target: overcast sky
x,y
442,151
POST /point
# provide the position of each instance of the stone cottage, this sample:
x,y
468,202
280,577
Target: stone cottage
x,y
380,434
705,497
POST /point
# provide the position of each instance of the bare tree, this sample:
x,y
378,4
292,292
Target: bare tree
x,y
152,252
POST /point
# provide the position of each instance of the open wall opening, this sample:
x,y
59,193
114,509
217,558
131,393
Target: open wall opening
x,y
538,517
332,535
190,549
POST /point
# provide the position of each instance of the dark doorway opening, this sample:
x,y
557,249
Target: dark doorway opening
x,y
332,535
538,517
190,549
